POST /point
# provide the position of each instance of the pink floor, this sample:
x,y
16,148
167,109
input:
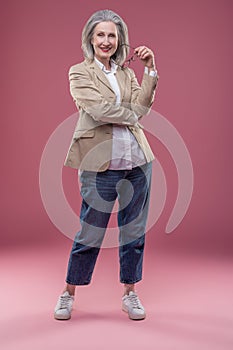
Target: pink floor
x,y
189,303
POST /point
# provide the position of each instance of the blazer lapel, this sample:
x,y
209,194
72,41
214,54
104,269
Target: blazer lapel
x,y
121,79
100,75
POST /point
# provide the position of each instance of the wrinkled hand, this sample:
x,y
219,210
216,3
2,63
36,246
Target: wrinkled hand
x,y
146,55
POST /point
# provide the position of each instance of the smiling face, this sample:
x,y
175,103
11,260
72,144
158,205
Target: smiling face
x,y
105,41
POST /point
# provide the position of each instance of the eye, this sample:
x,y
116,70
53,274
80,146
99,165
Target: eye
x,y
100,34
112,35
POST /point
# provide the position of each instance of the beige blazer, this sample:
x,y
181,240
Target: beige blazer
x,y
91,145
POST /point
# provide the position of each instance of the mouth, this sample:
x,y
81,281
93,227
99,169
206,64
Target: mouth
x,y
105,49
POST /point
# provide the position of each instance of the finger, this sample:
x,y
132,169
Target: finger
x,y
144,52
142,47
139,49
146,55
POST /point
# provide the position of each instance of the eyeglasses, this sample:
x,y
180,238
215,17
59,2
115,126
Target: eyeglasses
x,y
132,58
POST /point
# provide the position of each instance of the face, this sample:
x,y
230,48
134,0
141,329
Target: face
x,y
105,41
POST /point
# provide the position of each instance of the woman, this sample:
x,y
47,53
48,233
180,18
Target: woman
x,y
112,154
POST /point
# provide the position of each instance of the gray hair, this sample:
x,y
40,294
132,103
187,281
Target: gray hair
x,y
106,16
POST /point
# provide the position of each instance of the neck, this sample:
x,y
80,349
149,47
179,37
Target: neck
x,y
106,62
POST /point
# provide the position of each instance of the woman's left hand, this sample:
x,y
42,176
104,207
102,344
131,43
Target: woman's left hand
x,y
146,55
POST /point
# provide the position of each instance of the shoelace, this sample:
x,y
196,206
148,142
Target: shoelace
x,y
64,301
135,301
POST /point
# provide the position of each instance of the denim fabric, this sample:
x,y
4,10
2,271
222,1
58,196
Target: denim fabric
x,y
99,192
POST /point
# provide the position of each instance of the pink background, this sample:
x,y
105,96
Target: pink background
x,y
188,275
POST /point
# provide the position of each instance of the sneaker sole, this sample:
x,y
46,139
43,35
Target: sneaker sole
x,y
134,317
61,318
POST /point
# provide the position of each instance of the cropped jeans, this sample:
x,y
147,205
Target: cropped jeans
x,y
99,191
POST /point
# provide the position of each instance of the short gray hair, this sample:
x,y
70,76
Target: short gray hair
x,y
106,16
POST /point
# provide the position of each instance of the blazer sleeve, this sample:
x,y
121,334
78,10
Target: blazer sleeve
x,y
88,97
142,96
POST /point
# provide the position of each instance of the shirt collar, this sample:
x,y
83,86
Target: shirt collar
x,y
101,65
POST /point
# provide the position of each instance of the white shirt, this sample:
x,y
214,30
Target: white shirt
x,y
126,152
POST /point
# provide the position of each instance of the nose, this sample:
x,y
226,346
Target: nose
x,y
106,40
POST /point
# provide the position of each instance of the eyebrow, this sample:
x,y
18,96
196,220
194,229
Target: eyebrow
x,y
102,31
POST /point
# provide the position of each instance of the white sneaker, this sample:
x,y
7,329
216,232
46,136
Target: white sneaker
x,y
64,307
132,305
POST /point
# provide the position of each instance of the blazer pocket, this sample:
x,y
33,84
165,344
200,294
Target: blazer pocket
x,y
83,134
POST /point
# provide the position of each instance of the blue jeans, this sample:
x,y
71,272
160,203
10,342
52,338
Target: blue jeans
x,y
99,191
